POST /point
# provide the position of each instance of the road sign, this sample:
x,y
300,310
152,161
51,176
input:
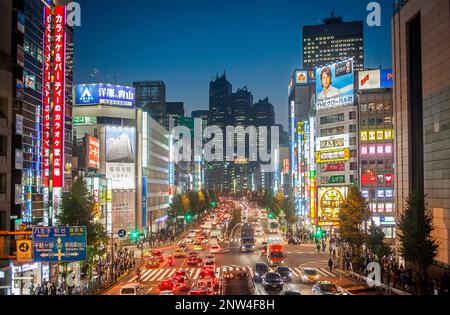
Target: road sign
x,y
60,244
24,250
122,233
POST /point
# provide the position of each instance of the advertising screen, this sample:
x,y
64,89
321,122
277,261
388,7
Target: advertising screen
x,y
332,143
105,94
375,79
120,145
333,156
335,85
330,201
93,155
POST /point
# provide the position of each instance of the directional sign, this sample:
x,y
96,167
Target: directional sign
x,y
122,233
60,244
24,250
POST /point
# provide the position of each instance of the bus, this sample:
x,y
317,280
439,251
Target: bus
x,y
247,238
273,227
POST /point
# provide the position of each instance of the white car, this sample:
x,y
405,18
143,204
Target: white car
x,y
308,275
209,264
131,289
214,249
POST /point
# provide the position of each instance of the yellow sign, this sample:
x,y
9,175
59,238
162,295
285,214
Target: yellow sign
x,y
364,136
300,128
330,202
333,156
24,250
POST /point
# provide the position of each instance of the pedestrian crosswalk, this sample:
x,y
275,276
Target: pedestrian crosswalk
x,y
260,239
321,271
153,275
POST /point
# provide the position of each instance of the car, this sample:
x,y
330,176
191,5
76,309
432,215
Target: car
x,y
207,283
260,271
206,274
308,275
158,254
210,257
214,249
152,262
293,241
131,289
168,286
325,288
193,254
264,248
198,246
194,261
199,291
179,253
192,234
181,273
285,273
182,282
209,264
272,280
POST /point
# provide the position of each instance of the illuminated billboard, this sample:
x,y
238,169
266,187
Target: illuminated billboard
x,y
104,94
335,85
332,142
330,203
93,149
120,156
333,156
375,79
301,77
120,145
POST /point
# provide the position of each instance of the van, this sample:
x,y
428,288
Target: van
x,y
260,271
131,289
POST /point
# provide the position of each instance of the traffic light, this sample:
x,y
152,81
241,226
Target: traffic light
x,y
319,233
271,215
213,204
188,217
134,235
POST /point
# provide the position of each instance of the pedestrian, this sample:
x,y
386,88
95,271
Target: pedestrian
x,y
38,290
330,264
318,248
31,288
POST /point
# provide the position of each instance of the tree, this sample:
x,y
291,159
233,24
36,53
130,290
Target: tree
x,y
185,203
78,210
201,200
375,242
353,214
417,246
194,202
278,204
289,210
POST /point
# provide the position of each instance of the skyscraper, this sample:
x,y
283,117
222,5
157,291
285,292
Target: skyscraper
x,y
421,97
332,41
151,97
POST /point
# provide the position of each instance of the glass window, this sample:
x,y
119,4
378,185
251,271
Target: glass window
x,y
352,115
364,107
372,150
387,106
364,162
353,154
372,107
363,150
352,141
380,107
388,120
388,233
389,193
389,207
389,164
372,121
388,149
380,135
353,166
380,193
365,193
381,208
380,122
352,129
380,149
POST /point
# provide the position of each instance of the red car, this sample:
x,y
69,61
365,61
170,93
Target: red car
x,y
194,261
158,254
207,275
168,286
199,291
182,282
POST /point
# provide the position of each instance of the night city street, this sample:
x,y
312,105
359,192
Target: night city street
x,y
240,150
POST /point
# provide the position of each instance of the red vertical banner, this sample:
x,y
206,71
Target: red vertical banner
x,y
59,57
46,101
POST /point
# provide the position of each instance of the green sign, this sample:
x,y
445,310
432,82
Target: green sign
x,y
312,174
340,179
84,120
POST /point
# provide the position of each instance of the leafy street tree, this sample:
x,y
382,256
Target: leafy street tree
x,y
375,242
288,206
352,217
185,203
417,246
78,210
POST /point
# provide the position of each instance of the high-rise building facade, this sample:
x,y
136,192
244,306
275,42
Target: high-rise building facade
x,y
376,143
421,97
332,41
151,97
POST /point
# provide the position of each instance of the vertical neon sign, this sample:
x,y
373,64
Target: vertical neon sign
x,y
58,106
46,94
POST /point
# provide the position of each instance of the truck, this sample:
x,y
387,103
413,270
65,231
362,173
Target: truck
x,y
273,227
275,254
247,238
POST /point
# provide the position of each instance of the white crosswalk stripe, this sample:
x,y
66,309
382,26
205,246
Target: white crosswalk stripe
x,y
197,273
156,275
296,272
163,275
149,274
325,272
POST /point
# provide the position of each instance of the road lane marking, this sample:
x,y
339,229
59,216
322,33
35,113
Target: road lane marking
x,y
150,274
197,273
163,275
156,275
191,272
296,272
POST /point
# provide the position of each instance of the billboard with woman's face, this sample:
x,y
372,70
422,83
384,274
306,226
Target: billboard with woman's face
x,y
335,85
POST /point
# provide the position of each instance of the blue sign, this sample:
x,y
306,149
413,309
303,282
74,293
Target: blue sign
x,y
144,200
386,79
104,94
122,233
60,244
